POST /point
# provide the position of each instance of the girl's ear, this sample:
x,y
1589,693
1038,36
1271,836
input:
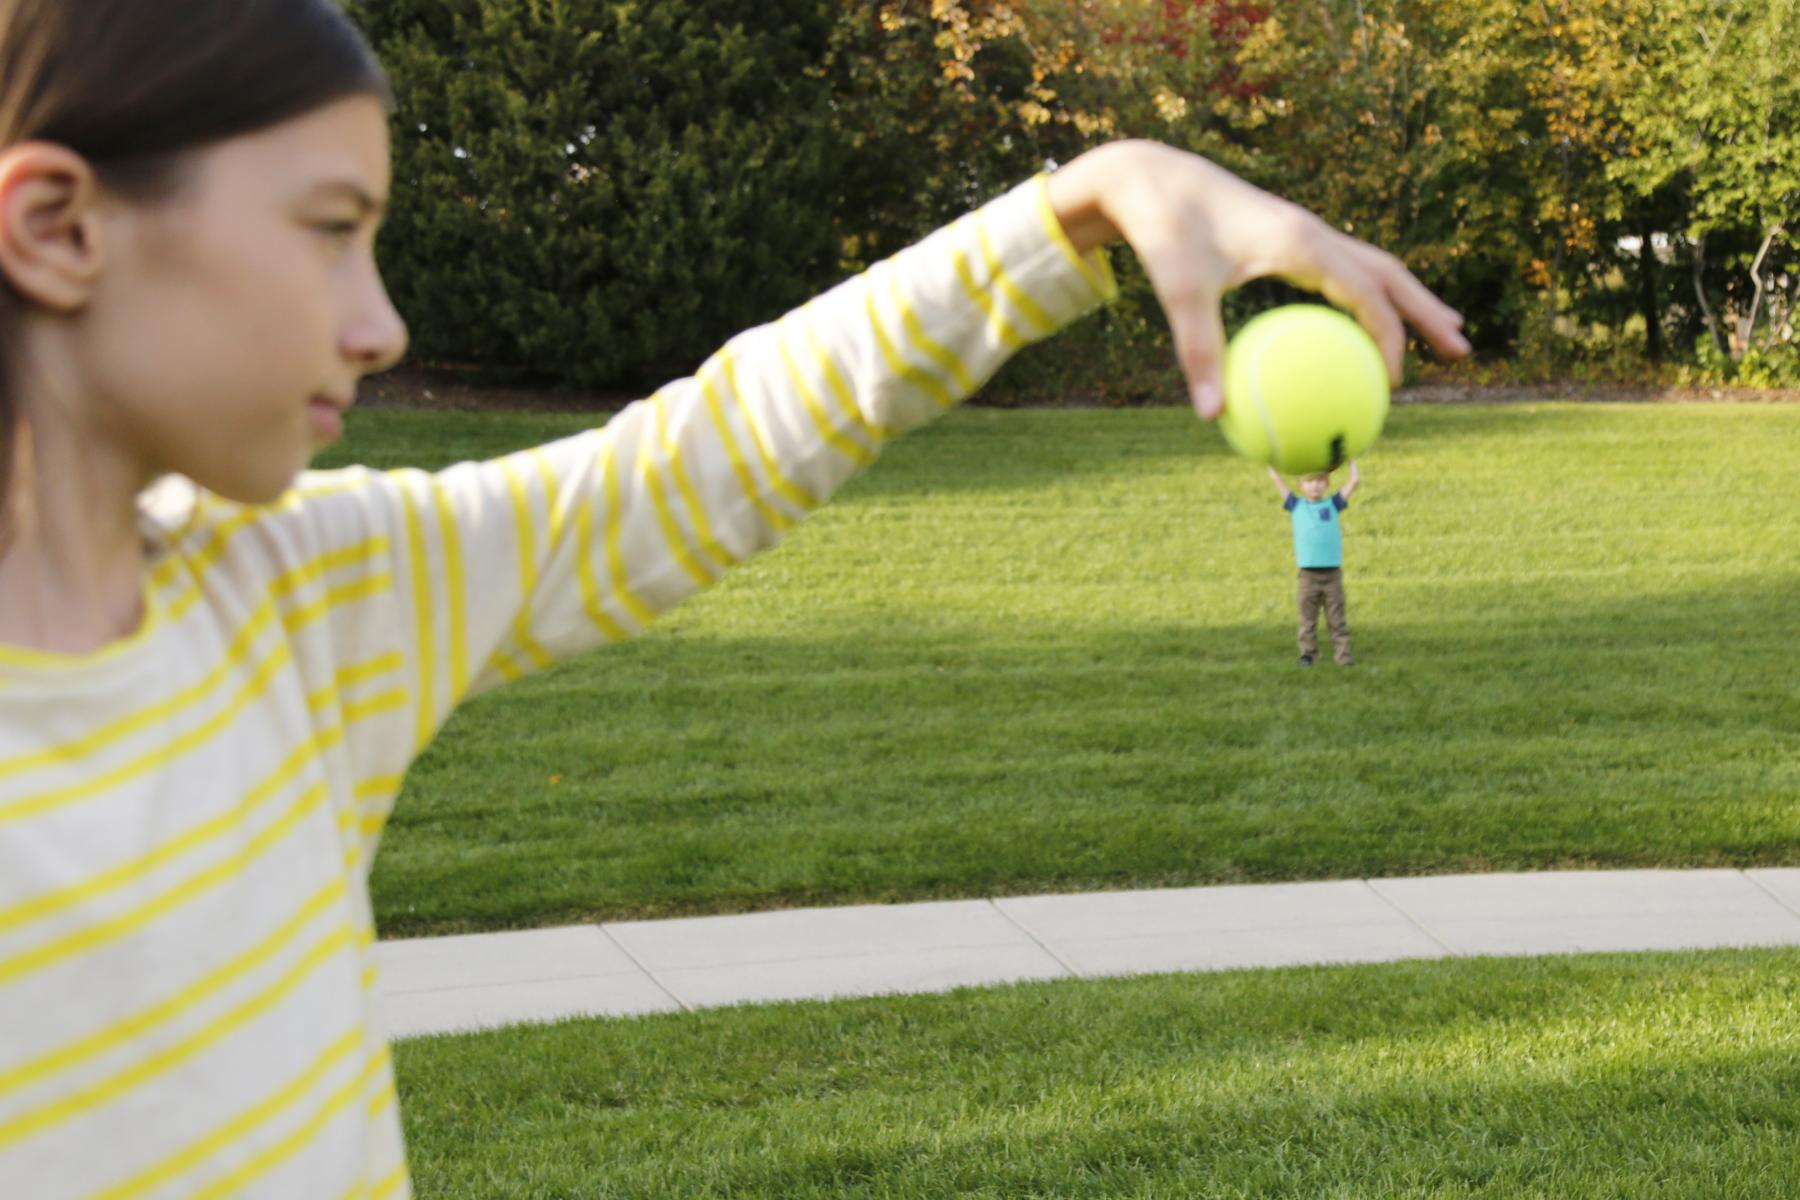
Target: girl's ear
x,y
49,226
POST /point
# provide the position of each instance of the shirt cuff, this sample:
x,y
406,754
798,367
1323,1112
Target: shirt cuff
x,y
1038,259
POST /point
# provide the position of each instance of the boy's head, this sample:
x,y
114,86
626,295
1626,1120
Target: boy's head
x,y
186,237
1314,486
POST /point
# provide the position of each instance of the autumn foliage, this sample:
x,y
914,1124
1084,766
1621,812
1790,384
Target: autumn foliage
x,y
598,193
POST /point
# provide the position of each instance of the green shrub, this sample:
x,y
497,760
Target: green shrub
x,y
599,193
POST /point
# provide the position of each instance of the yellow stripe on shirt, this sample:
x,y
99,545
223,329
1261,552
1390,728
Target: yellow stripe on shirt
x,y
456,583
945,358
114,928
703,573
1009,336
289,1146
233,818
252,691
841,390
524,527
708,543
734,456
917,376
37,1120
784,487
192,1155
1096,270
283,585
613,531
144,1021
834,437
425,723
1030,309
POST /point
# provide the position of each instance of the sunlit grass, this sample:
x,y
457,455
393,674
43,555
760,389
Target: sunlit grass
x,y
1050,650
1645,1076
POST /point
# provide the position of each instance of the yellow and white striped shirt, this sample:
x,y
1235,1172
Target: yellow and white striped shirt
x,y
187,817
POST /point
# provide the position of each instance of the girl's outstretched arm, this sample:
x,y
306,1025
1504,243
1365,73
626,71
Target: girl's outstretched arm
x,y
488,571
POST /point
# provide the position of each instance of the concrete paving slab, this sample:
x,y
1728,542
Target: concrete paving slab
x,y
459,983
798,934
815,978
1781,882
466,1009
1581,911
488,959
1216,928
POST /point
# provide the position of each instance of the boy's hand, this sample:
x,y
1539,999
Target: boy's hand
x,y
1200,231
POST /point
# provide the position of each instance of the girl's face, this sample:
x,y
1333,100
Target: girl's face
x,y
230,323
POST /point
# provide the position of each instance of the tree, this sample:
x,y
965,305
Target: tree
x,y
1719,115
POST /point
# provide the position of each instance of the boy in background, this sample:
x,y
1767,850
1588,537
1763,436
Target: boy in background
x,y
1319,553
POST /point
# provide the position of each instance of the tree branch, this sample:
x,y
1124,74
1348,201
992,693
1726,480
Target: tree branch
x,y
1747,327
1698,258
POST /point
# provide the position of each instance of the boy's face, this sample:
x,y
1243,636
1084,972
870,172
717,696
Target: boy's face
x,y
1313,487
232,319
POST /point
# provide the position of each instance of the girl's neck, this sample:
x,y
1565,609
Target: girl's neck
x,y
72,564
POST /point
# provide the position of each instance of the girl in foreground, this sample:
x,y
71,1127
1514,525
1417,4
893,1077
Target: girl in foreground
x,y
207,706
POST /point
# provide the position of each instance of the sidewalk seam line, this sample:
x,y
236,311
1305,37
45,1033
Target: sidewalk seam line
x,y
1452,951
1035,939
639,964
1758,885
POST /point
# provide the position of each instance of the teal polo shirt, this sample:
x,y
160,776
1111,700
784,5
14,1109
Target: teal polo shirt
x,y
1318,540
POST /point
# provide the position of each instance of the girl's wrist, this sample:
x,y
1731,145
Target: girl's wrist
x,y
1078,193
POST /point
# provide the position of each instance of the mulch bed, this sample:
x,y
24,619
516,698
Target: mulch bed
x,y
451,390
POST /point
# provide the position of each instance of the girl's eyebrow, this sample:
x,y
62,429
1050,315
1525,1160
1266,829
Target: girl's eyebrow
x,y
359,195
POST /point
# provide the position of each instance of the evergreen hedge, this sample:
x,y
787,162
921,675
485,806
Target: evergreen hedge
x,y
599,194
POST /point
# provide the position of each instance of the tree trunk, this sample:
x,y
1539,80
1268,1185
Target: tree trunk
x,y
1712,324
1653,346
1747,326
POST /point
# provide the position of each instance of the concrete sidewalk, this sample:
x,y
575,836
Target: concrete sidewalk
x,y
450,984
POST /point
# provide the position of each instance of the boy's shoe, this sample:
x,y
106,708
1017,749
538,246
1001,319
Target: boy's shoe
x,y
1306,660
1346,661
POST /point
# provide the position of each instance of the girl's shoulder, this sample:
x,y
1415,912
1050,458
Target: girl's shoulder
x,y
320,510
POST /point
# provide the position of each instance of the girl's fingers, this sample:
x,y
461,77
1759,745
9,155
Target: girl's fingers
x,y
1440,324
1385,297
1199,333
1365,297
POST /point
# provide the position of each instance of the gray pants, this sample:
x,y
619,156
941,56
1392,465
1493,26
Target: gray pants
x,y
1323,585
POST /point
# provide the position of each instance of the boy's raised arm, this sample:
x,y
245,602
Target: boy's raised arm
x,y
1350,484
1280,484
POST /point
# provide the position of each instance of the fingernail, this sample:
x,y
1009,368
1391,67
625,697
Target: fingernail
x,y
1207,400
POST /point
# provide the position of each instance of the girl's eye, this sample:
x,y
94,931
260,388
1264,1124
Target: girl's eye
x,y
340,230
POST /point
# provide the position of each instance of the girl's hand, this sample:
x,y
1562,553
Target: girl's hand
x,y
1200,231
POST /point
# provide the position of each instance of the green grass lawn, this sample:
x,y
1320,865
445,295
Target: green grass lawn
x,y
1053,650
1634,1076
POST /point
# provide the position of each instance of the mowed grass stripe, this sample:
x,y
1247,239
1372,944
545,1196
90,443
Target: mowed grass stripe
x,y
1606,1076
1053,650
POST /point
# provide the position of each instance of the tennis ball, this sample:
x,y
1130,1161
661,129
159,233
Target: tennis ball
x,y
1305,389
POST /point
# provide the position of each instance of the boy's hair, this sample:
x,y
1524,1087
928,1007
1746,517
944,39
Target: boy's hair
x,y
134,85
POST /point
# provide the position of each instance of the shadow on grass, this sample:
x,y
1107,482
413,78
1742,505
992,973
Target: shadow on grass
x,y
999,451
702,773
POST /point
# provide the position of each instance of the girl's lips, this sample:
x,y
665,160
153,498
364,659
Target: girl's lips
x,y
327,419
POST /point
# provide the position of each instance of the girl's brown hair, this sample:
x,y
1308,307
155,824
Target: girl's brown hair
x,y
133,86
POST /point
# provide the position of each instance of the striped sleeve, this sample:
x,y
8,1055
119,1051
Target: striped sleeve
x,y
506,566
